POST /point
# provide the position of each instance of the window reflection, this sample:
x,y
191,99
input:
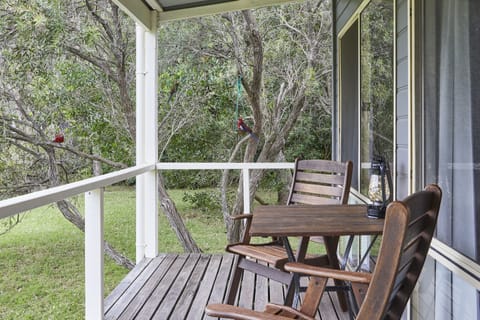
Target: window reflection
x,y
376,85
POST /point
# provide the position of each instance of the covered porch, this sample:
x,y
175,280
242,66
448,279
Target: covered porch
x,y
179,286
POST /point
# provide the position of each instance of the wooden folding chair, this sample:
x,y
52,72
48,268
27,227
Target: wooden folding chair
x,y
408,231
315,182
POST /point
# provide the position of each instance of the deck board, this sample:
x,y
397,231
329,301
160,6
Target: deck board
x,y
200,300
179,286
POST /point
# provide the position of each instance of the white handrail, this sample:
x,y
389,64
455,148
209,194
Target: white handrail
x,y
12,206
223,165
244,166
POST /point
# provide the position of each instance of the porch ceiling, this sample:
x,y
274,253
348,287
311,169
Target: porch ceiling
x,y
143,10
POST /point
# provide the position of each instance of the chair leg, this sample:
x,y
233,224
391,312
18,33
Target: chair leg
x,y
234,282
331,244
290,291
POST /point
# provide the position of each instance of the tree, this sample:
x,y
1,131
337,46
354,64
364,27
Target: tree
x,y
280,80
39,110
50,58
282,57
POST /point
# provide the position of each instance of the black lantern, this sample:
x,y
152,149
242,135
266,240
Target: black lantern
x,y
379,188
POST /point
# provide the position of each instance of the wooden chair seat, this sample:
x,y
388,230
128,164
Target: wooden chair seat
x,y
273,254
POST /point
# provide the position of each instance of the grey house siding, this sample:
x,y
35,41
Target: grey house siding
x,y
344,9
402,104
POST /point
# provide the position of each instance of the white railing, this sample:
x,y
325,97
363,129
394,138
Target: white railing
x,y
245,167
12,206
94,207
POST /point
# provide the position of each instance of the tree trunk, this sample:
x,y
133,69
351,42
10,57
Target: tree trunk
x,y
176,222
71,213
273,120
285,179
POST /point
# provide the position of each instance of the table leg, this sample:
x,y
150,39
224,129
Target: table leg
x,y
293,293
367,253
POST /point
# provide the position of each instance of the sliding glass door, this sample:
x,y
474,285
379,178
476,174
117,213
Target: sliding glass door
x,y
449,63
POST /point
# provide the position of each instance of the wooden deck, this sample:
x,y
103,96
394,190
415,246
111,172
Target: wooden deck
x,y
180,286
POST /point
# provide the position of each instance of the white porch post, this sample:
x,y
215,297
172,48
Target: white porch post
x,y
140,140
94,254
246,190
147,140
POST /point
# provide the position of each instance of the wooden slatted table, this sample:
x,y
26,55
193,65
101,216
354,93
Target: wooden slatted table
x,y
314,220
329,221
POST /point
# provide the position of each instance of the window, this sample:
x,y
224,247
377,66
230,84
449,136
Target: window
x,y
366,89
448,58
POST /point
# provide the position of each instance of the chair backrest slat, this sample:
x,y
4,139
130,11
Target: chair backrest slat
x,y
318,182
415,229
318,190
321,165
329,179
299,198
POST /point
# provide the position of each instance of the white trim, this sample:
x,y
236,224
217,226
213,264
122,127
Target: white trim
x,y
149,139
246,190
12,206
140,139
94,281
154,4
138,11
218,8
223,165
456,262
244,166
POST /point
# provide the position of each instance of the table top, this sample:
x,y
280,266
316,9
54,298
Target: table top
x,y
314,220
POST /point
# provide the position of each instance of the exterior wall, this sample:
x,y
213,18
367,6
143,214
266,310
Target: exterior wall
x,y
344,9
436,139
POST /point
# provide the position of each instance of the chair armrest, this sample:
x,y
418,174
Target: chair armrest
x,y
242,216
357,277
234,312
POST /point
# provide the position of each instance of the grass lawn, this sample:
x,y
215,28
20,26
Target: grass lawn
x,y
42,259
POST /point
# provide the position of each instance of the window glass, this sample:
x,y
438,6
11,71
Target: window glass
x,y
349,98
452,133
450,104
376,86
440,294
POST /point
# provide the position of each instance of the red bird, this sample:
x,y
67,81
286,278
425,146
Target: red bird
x,y
244,128
59,138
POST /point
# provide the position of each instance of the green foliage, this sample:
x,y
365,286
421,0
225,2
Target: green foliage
x,y
206,201
66,93
377,66
50,90
310,139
